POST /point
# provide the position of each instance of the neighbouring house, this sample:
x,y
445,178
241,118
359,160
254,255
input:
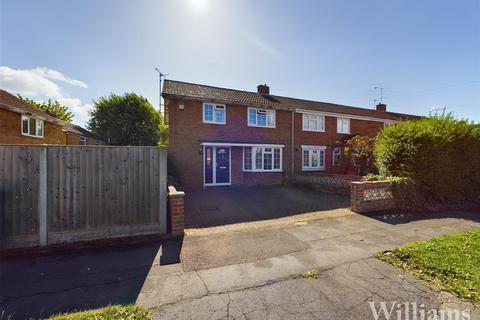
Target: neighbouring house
x,y
22,124
221,137
77,135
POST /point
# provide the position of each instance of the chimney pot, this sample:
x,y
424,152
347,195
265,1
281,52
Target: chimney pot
x,y
381,107
263,89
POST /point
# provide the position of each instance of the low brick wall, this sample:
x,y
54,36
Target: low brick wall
x,y
371,196
328,182
176,211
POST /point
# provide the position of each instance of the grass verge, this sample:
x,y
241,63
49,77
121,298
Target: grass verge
x,y
128,312
450,262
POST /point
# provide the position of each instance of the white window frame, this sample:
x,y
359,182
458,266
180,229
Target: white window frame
x,y
341,125
38,123
321,149
84,141
306,122
254,151
216,108
334,154
267,111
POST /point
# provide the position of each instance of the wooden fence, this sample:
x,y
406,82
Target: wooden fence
x,y
55,194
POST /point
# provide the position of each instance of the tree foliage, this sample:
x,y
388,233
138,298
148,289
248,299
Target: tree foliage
x,y
360,149
53,108
127,119
440,155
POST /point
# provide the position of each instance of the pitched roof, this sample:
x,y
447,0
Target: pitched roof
x,y
12,103
217,94
74,129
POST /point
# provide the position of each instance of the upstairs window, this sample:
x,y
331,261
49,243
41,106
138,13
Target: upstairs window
x,y
214,113
343,125
32,127
82,141
262,159
313,122
261,118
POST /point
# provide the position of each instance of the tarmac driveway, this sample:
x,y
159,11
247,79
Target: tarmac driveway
x,y
229,205
241,275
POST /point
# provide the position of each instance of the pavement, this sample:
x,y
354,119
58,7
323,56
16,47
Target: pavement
x,y
244,274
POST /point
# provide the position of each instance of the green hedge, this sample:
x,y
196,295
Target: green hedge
x,y
439,155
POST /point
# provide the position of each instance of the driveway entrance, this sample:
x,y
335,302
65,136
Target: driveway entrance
x,y
222,206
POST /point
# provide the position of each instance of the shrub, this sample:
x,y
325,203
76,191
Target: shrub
x,y
439,155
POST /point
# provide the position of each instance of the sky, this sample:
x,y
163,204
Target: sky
x,y
425,53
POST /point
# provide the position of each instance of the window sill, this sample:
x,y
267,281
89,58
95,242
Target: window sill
x,y
266,127
211,122
32,136
307,130
313,169
343,132
263,171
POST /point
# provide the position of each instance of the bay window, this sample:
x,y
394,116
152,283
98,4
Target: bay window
x,y
262,159
313,158
261,118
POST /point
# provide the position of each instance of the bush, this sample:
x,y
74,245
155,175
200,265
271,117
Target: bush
x,y
439,155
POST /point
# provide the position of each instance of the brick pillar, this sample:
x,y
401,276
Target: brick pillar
x,y
176,210
356,196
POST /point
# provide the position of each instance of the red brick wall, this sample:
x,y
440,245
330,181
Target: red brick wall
x,y
329,138
187,131
11,126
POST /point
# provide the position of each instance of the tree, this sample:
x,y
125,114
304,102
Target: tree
x,y
362,152
127,119
53,108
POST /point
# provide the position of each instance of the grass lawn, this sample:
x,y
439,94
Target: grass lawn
x,y
450,262
129,312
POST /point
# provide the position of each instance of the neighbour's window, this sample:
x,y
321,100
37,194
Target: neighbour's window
x,y
388,124
262,159
32,126
214,113
343,125
313,122
97,143
82,141
337,156
313,158
261,118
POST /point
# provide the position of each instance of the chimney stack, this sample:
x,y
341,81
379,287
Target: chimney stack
x,y
381,107
263,89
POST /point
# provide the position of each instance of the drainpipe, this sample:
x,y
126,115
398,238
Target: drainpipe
x,y
293,145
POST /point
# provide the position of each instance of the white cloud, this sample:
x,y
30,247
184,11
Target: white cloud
x,y
55,75
26,82
39,84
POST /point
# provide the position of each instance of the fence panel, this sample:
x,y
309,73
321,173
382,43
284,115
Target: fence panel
x,y
92,192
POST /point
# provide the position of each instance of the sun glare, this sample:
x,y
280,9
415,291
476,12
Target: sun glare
x,y
199,4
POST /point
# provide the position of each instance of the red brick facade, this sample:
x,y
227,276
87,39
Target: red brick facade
x,y
11,131
187,131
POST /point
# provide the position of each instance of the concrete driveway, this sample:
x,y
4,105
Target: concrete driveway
x,y
230,205
242,275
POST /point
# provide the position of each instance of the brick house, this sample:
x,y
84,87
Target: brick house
x,y
222,137
21,124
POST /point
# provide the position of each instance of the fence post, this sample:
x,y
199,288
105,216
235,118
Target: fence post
x,y
163,191
42,197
